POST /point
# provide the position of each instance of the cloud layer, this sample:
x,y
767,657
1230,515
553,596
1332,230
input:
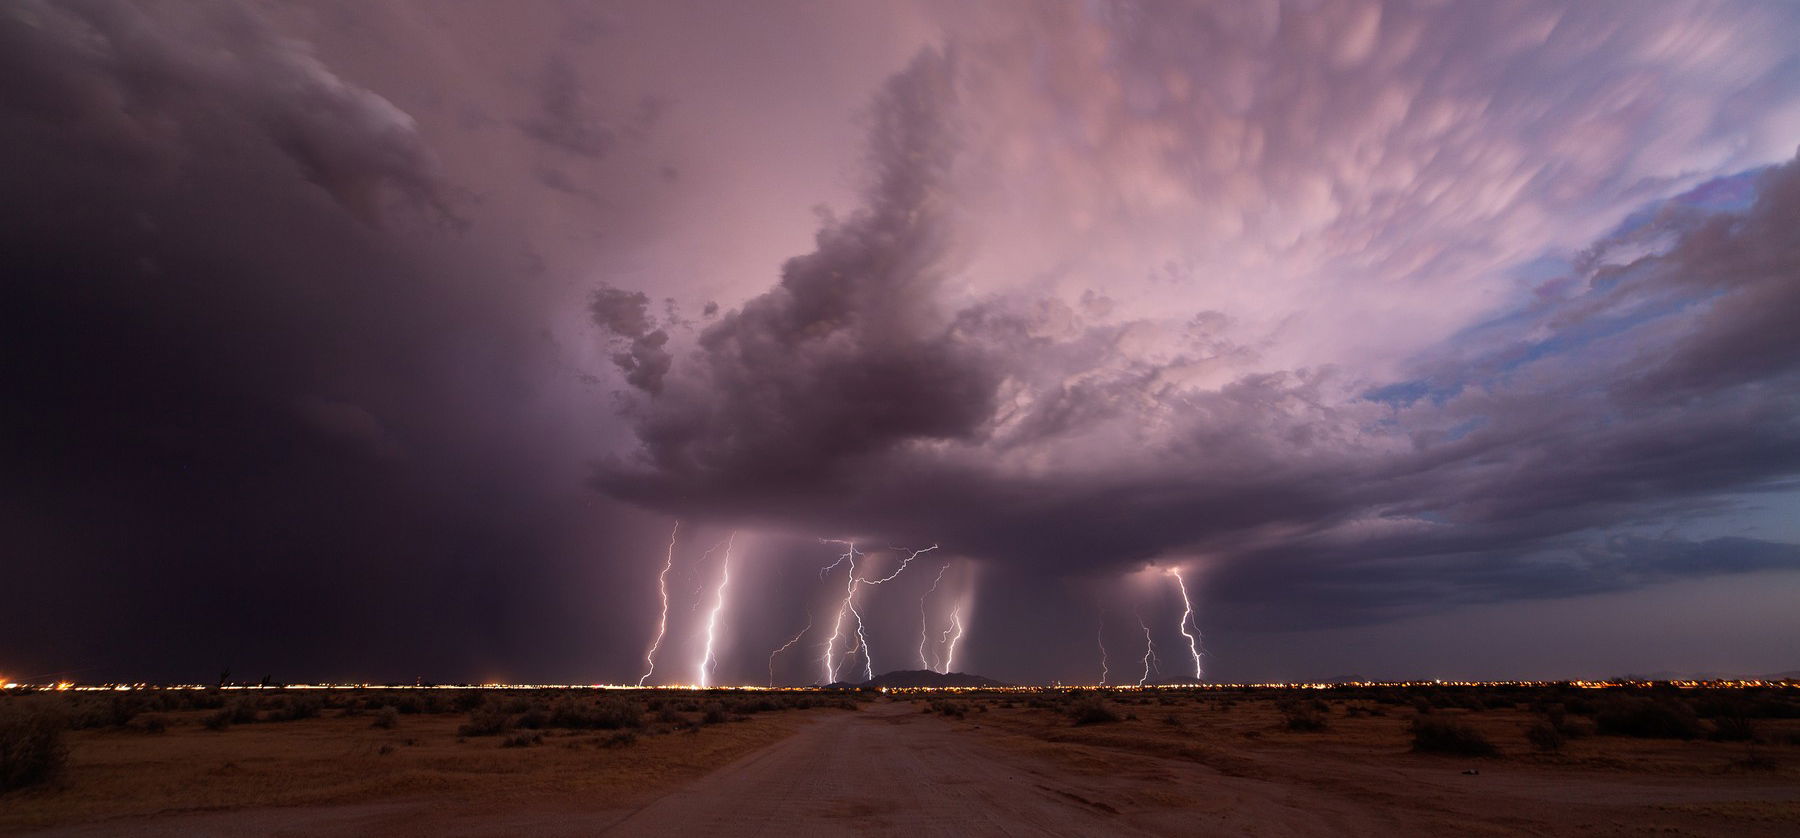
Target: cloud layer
x,y
1375,366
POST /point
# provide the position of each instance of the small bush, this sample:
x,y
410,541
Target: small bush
x,y
1303,717
1447,736
1649,719
1546,737
152,723
1091,710
485,721
387,718
31,749
522,739
714,714
297,707
619,739
1733,729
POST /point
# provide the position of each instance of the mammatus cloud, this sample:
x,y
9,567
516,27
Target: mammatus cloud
x,y
887,386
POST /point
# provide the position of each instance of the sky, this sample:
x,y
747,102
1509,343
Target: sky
x,y
466,341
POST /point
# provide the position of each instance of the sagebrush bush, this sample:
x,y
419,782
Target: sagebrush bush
x,y
1546,737
486,720
1733,729
1091,710
387,718
1648,718
1303,716
31,748
1438,735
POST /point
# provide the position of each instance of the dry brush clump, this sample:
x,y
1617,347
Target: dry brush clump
x,y
1436,734
1091,710
1304,716
32,750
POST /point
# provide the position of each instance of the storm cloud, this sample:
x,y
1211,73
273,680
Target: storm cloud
x,y
1644,377
390,340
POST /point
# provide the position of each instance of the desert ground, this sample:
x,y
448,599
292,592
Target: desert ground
x,y
1350,761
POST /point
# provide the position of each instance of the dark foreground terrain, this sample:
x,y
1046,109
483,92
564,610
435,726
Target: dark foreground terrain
x,y
1349,760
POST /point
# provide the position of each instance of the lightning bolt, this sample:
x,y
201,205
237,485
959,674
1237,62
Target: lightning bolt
x,y
1149,652
707,662
950,653
662,622
837,626
897,571
1100,637
1187,616
923,664
862,640
786,646
701,585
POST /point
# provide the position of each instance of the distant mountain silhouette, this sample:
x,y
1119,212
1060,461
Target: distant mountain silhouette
x,y
920,678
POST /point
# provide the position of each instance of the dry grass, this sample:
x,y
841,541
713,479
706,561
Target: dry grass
x,y
122,772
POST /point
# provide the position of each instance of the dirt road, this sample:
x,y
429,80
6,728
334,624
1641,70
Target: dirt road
x,y
888,770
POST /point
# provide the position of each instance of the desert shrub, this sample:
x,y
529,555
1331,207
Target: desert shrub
x,y
1303,717
297,707
217,720
605,714
152,723
714,714
387,718
947,708
1172,720
522,739
1546,737
1733,729
1648,718
1447,736
668,715
486,720
619,739
466,701
31,748
1090,710
106,711
242,711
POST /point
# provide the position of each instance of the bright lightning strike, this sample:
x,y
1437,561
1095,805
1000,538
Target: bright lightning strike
x,y
897,571
786,646
662,622
1100,637
1187,616
923,620
837,626
950,651
1149,651
707,662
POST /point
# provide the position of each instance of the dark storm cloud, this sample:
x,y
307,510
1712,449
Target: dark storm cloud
x,y
626,316
563,119
258,410
1024,431
847,358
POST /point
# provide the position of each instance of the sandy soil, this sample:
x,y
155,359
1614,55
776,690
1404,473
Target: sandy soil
x,y
1009,769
